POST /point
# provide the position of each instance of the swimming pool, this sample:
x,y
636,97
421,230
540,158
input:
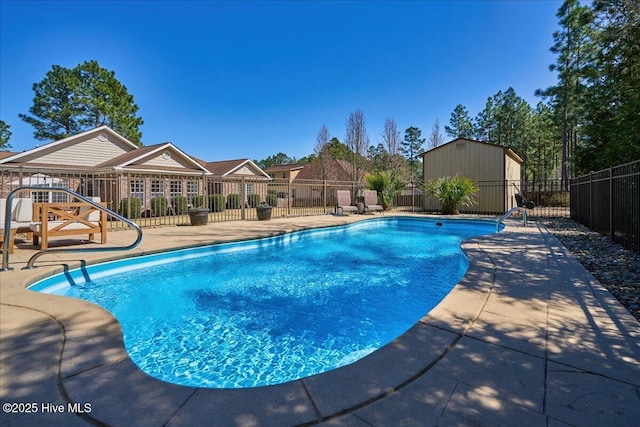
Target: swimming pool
x,y
267,311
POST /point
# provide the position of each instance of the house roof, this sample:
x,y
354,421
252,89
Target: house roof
x,y
508,151
337,170
75,154
284,168
136,159
236,168
18,157
5,154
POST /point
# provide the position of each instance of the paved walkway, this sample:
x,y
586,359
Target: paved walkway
x,y
528,337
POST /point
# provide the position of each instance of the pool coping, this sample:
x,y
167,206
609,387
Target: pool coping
x,y
92,361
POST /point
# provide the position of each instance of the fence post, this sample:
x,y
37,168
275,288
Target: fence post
x,y
324,195
204,190
243,195
127,195
289,195
591,199
578,201
611,203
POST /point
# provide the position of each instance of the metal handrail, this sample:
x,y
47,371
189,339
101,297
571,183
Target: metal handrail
x,y
509,212
7,228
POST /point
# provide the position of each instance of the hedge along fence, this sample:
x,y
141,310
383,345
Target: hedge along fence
x,y
179,205
253,200
272,198
216,202
198,201
233,201
159,206
130,207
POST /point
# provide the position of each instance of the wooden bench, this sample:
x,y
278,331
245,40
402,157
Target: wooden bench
x,y
9,245
67,219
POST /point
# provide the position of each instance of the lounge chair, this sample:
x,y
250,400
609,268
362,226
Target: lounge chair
x,y
21,213
344,202
371,201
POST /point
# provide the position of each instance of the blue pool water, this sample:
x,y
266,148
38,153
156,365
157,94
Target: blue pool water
x,y
273,310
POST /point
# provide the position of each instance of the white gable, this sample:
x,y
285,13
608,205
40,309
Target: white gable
x,y
89,152
86,149
166,158
244,170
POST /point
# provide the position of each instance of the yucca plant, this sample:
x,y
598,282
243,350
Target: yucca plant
x,y
385,185
453,192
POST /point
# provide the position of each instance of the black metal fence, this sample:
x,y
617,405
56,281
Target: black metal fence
x,y
497,197
608,201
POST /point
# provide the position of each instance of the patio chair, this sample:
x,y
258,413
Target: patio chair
x,y
344,202
524,203
21,215
371,201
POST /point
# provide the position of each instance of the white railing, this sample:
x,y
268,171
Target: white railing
x,y
511,211
7,228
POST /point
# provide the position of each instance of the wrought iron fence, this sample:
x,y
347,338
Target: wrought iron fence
x,y
608,201
164,199
497,197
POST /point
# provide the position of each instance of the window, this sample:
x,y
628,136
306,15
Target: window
x,y
217,188
248,190
192,190
136,189
175,188
90,187
157,188
50,196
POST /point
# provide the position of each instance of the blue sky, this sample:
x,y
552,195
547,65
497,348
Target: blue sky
x,y
244,79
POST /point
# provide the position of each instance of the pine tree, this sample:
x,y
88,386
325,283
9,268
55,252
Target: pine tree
x,y
611,105
574,49
461,125
5,136
69,101
412,148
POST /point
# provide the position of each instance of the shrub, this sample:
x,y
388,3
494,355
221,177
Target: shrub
x,y
135,204
272,198
385,186
159,205
215,202
558,199
198,201
179,205
253,200
453,192
233,201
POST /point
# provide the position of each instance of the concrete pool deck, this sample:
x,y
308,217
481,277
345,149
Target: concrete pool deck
x,y
528,337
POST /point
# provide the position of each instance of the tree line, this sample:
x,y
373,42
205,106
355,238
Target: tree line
x,y
588,120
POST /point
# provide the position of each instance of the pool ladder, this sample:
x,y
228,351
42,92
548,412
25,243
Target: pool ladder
x,y
34,257
511,211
